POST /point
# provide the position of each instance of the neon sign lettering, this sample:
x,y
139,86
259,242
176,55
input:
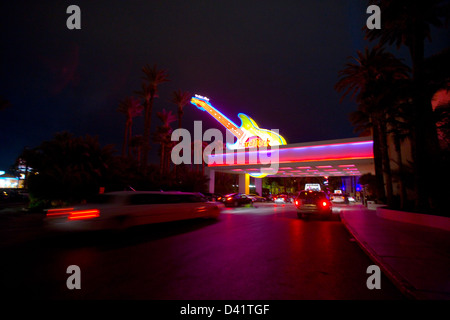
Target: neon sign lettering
x,y
256,143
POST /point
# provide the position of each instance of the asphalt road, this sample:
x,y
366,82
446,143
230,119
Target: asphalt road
x,y
262,253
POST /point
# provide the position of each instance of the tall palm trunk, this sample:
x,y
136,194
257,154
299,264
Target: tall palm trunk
x,y
401,171
161,168
418,132
180,116
424,134
387,174
168,158
380,191
125,139
129,138
146,138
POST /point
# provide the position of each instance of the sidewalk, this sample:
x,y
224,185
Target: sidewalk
x,y
416,258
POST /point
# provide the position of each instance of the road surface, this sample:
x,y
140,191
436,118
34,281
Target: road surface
x,y
260,253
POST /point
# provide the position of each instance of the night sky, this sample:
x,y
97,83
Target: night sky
x,y
276,61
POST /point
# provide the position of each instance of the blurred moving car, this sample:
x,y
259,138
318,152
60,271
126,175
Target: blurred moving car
x,y
313,203
124,209
236,199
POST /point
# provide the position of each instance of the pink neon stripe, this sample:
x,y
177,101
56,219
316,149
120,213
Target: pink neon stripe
x,y
345,151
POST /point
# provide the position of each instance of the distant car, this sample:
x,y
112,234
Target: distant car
x,y
127,208
236,199
282,198
313,203
338,198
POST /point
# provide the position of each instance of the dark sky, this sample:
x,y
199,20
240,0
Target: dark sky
x,y
276,61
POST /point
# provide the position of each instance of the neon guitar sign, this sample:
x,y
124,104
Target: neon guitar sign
x,y
248,135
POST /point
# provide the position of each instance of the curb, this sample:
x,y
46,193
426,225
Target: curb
x,y
401,283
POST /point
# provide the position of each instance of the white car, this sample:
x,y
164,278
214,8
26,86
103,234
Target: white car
x,y
339,198
122,209
280,200
283,198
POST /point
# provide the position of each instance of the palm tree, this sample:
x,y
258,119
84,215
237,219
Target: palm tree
x,y
399,123
363,124
368,82
181,99
163,136
136,147
408,23
132,108
70,168
153,77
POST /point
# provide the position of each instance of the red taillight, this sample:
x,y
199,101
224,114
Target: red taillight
x,y
58,212
296,202
324,203
84,214
72,214
229,198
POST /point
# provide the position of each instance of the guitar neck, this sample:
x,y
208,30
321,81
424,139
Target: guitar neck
x,y
227,123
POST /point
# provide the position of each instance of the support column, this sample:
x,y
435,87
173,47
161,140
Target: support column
x,y
258,186
244,183
211,174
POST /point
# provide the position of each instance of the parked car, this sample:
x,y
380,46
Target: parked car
x,y
212,196
313,203
236,199
8,195
256,198
127,208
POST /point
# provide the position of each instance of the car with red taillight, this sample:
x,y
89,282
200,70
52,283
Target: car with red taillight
x,y
310,202
281,198
236,199
130,208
